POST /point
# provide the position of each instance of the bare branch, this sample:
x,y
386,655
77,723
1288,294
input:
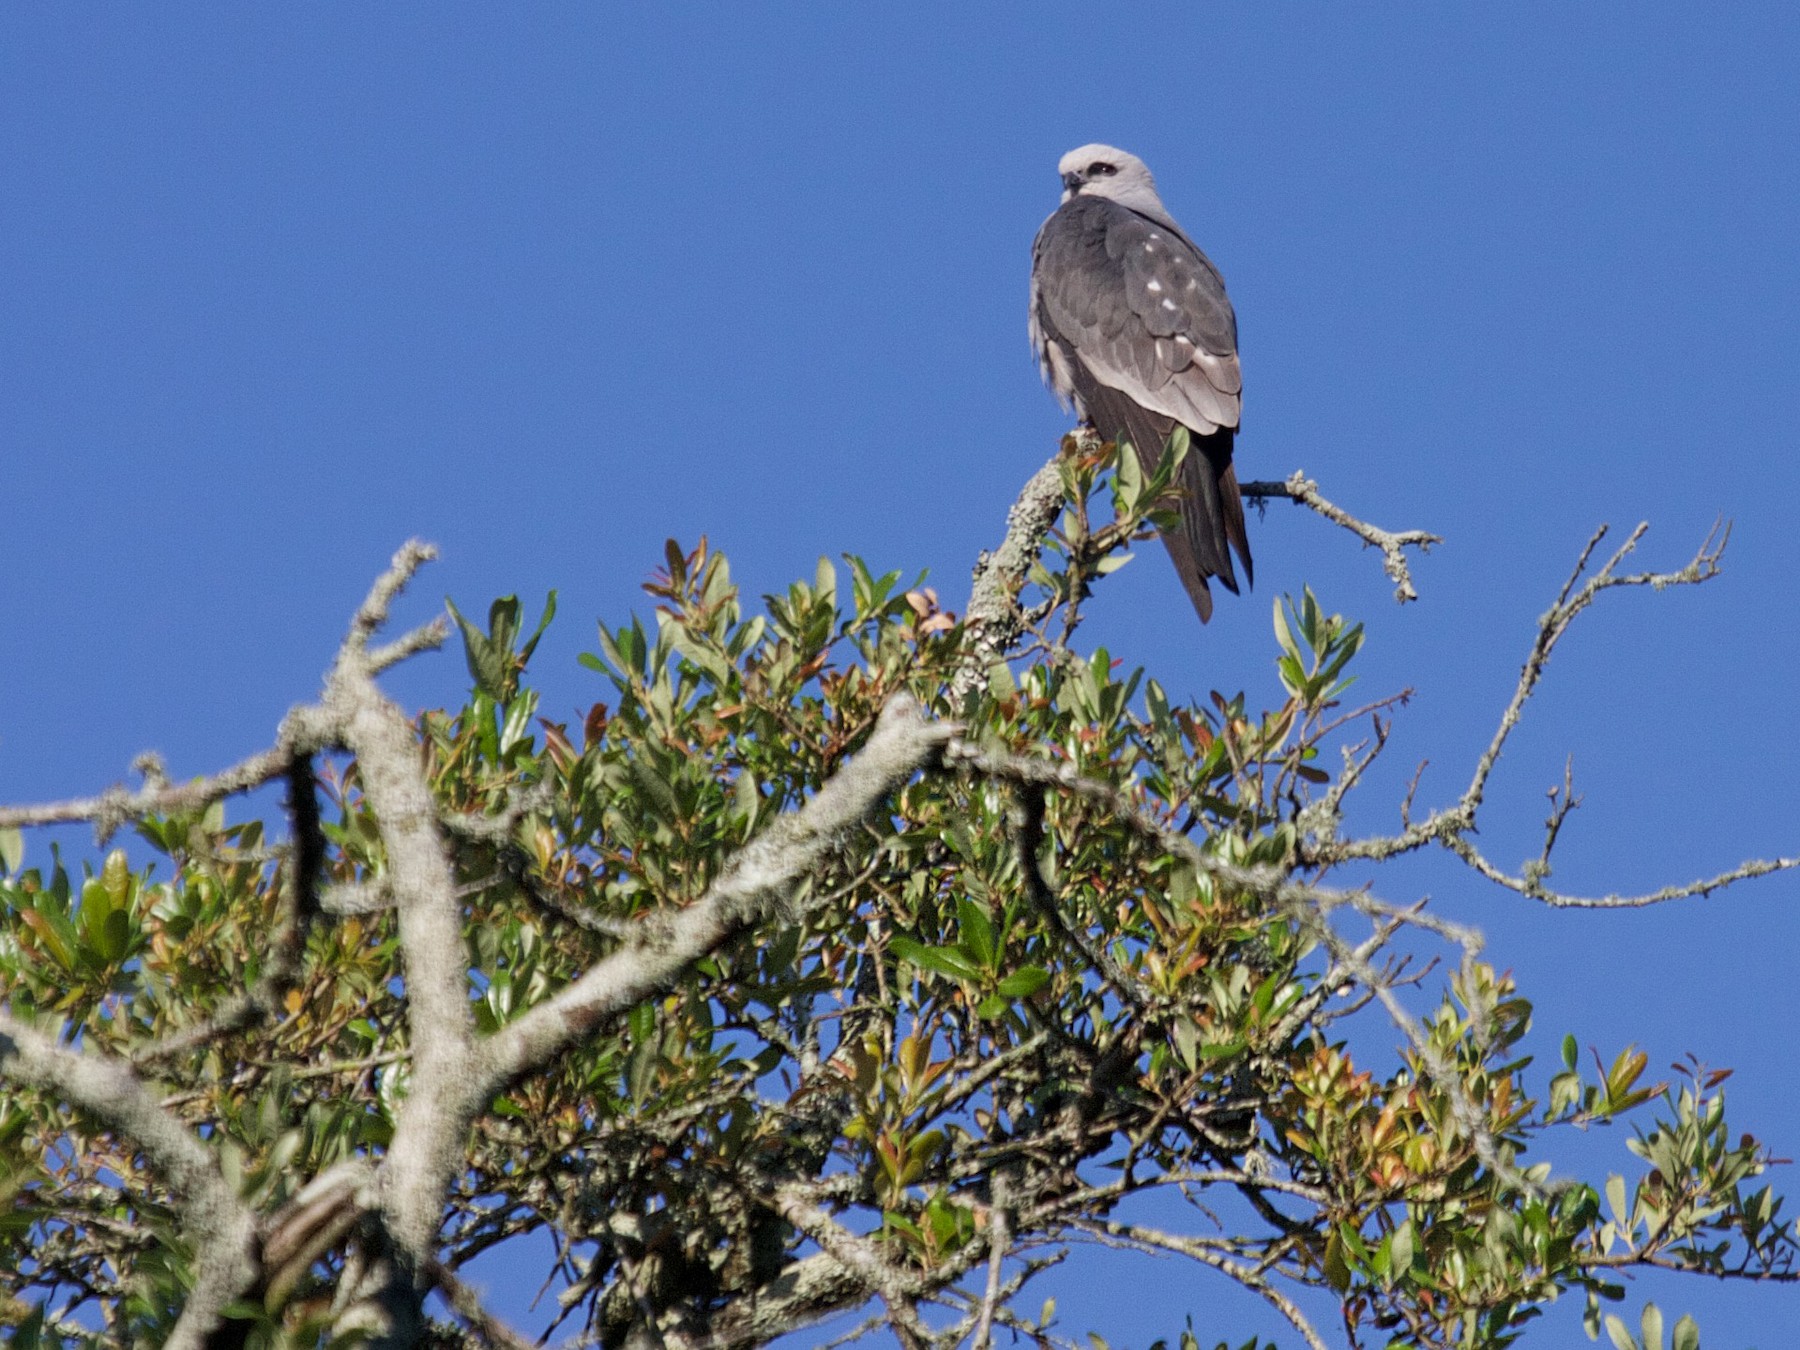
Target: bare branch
x,y
467,1305
1704,566
1451,827
372,614
1532,886
425,638
1393,543
117,805
1199,1250
299,732
898,1288
999,1239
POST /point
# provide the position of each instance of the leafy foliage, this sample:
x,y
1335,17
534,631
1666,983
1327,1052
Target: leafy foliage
x,y
1086,959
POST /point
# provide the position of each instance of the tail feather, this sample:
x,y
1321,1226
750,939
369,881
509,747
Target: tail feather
x,y
1212,525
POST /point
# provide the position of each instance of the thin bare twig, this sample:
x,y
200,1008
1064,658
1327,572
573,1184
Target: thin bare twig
x,y
999,1239
118,805
466,1303
1393,544
1451,827
1198,1249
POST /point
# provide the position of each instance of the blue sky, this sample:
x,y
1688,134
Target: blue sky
x,y
546,285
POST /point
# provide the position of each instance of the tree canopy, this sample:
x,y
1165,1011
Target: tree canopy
x,y
851,955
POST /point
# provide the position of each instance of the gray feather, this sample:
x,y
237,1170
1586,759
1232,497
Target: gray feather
x,y
1132,324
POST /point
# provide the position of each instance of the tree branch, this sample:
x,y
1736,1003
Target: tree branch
x,y
1393,544
760,878
995,623
1451,827
431,1134
117,805
222,1230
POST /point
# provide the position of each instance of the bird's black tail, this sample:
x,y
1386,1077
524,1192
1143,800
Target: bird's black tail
x,y
1212,509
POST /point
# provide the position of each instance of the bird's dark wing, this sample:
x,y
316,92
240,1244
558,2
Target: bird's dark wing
x,y
1132,323
1144,309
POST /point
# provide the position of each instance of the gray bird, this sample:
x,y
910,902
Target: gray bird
x,y
1130,322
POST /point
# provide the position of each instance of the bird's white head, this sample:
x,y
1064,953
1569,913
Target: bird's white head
x,y
1105,171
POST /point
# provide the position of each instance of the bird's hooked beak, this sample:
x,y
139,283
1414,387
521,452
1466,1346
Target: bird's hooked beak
x,y
1071,183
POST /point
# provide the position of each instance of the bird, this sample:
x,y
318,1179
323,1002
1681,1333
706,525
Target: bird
x,y
1134,332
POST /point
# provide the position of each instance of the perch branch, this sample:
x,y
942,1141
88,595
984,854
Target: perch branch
x,y
995,623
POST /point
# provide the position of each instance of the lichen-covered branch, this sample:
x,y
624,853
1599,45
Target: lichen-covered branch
x,y
1454,827
1303,491
221,1229
995,623
118,805
430,1135
761,877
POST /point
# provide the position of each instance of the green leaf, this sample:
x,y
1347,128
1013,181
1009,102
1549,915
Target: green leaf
x,y
944,960
1187,1040
495,659
1024,982
977,932
1401,1252
1337,1269
1687,1334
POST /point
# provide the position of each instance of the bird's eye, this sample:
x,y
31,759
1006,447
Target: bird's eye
x,y
1101,169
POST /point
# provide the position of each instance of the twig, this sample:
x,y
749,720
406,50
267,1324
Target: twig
x,y
1393,544
1570,602
467,1305
999,1239
1531,884
117,805
1197,1249
1451,826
